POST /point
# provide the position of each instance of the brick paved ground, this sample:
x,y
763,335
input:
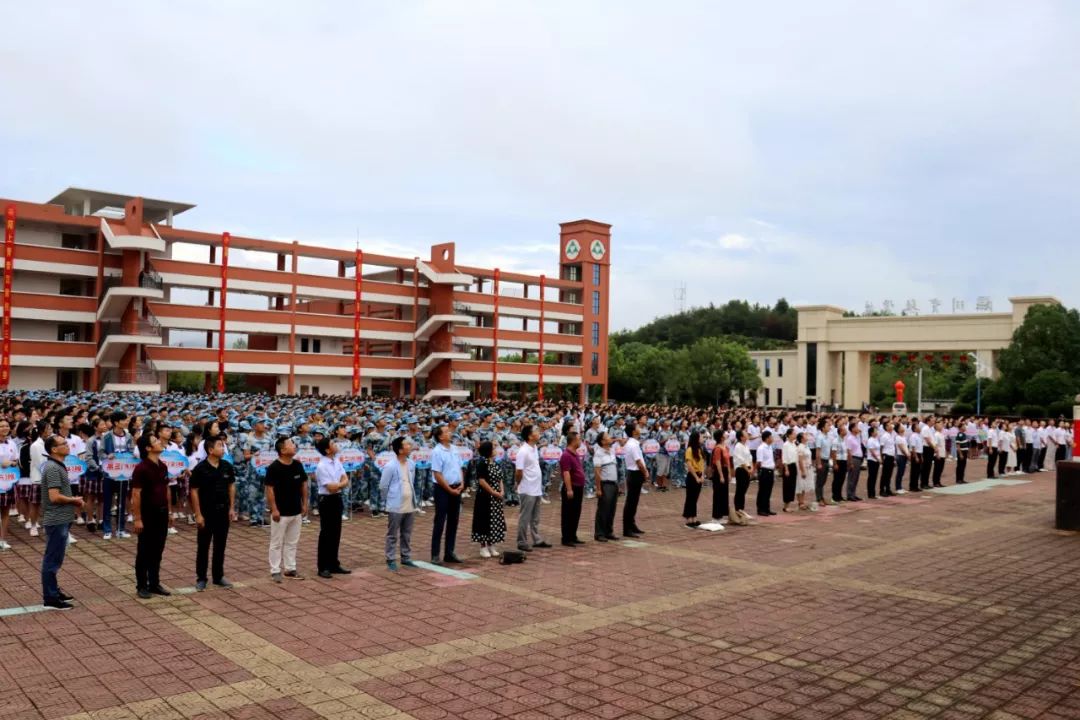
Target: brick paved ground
x,y
945,606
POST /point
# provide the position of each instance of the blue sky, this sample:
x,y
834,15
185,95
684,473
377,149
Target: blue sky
x,y
830,152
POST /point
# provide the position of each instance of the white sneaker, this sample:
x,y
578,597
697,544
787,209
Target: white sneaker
x,y
130,517
71,539
590,496
12,513
305,521
27,525
421,510
466,494
543,499
123,534
901,491
495,552
107,536
484,552
79,520
172,531
34,531
644,491
813,507
4,545
190,519
344,516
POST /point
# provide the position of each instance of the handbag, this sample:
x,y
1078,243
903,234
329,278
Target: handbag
x,y
512,557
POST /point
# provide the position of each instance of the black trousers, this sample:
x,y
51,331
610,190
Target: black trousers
x,y
1042,457
916,472
571,512
1025,458
765,479
693,492
216,529
634,480
901,466
927,465
939,467
447,513
991,462
605,510
742,484
150,547
1003,457
330,509
961,466
721,503
872,467
838,479
887,462
787,487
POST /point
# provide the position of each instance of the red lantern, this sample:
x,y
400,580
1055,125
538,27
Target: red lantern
x,y
929,357
912,357
895,358
964,359
880,358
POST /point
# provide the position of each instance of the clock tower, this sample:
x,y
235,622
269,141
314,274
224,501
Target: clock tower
x,y
585,257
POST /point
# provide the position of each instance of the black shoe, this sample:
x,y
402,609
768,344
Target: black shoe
x,y
91,527
325,574
159,590
58,604
341,571
600,538
961,482
200,585
578,542
697,523
938,485
376,513
452,559
436,560
524,549
223,583
631,534
541,545
64,597
569,544
639,531
855,498
611,537
143,594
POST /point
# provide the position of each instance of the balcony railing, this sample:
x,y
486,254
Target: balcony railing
x,y
148,279
142,375
142,327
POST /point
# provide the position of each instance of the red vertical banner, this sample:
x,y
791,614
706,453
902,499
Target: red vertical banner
x,y
359,289
495,341
225,237
9,265
540,386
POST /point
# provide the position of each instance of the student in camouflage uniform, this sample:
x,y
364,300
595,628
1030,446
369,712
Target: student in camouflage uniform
x,y
510,438
663,459
549,435
303,440
678,462
251,497
589,444
376,441
618,435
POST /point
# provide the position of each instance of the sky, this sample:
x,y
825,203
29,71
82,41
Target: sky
x,y
834,152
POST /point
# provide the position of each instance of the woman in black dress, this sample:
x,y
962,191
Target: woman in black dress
x,y
489,525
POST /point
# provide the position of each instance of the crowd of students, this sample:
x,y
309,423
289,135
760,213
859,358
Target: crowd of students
x,y
150,464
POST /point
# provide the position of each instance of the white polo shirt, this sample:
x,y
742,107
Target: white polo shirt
x,y
528,462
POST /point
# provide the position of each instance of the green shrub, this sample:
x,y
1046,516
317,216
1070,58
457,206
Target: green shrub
x,y
963,409
996,410
1031,411
1062,408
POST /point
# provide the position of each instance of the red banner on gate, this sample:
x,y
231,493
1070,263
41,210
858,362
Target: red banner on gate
x,y
225,237
359,289
9,263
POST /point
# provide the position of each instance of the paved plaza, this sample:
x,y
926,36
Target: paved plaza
x,y
942,605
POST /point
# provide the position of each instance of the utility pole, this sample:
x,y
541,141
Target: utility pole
x,y
918,407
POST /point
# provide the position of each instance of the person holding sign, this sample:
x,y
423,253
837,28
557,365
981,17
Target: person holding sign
x,y
150,507
59,507
9,478
446,469
397,496
117,443
213,500
332,479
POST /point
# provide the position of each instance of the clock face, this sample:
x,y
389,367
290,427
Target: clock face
x,y
597,250
573,249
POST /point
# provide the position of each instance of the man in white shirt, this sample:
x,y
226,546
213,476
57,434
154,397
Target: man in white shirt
x,y
766,463
888,457
637,474
915,442
529,487
332,479
991,449
926,432
939,452
743,461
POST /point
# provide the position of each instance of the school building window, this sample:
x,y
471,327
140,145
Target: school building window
x,y
596,363
766,392
596,333
779,368
768,365
596,302
596,274
779,396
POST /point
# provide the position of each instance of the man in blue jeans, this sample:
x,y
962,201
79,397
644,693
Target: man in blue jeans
x,y
58,509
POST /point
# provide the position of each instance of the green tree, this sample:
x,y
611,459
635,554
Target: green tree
x,y
1049,386
1048,339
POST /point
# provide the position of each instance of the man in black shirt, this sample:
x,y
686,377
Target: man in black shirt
x,y
963,443
150,506
286,493
213,500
